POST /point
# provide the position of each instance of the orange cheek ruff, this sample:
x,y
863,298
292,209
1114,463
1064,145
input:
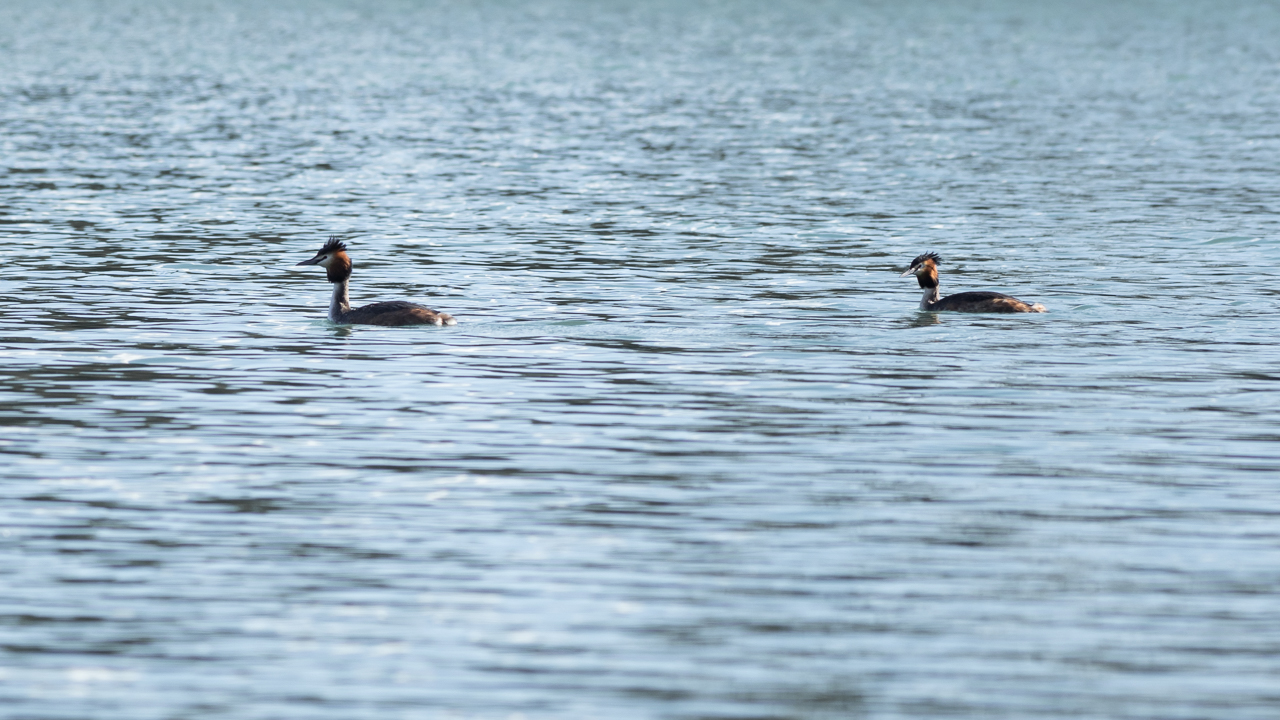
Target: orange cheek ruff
x,y
339,268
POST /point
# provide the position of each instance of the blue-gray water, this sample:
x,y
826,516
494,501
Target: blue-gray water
x,y
691,452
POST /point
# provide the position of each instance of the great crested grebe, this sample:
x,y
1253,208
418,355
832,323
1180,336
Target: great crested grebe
x,y
925,268
333,258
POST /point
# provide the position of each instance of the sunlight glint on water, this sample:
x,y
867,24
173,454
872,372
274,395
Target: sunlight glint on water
x,y
691,451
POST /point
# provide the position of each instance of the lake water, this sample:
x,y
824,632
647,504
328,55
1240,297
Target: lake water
x,y
691,451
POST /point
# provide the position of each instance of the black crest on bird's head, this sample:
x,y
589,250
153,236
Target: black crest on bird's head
x,y
334,245
927,256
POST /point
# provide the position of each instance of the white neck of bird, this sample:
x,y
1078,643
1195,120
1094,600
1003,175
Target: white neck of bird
x,y
931,296
341,303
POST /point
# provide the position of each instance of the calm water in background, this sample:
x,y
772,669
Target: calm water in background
x,y
691,451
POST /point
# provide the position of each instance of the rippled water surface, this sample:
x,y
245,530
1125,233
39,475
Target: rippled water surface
x,y
691,451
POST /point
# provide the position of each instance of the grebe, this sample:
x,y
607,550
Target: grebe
x,y
333,258
925,268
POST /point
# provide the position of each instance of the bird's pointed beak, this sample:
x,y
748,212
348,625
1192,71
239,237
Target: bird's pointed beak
x,y
313,261
912,271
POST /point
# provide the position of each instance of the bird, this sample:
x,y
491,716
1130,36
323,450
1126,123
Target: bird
x,y
925,268
337,264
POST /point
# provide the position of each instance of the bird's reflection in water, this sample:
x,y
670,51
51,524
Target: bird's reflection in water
x,y
924,319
